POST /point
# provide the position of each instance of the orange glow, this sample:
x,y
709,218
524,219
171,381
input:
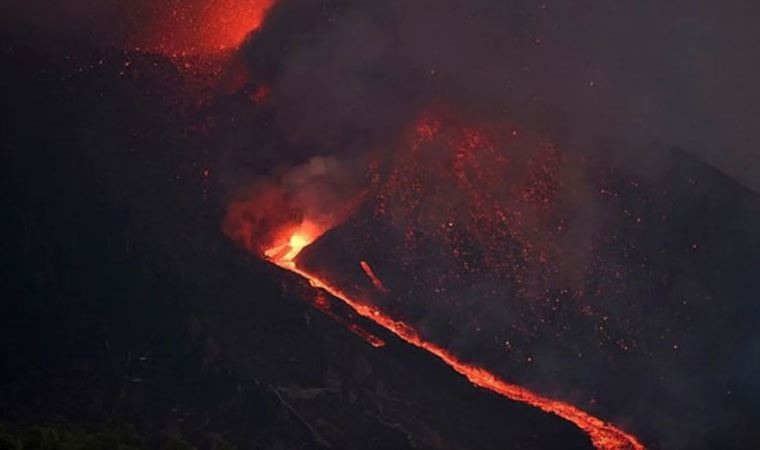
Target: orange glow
x,y
603,435
194,27
290,243
371,274
321,303
261,94
287,248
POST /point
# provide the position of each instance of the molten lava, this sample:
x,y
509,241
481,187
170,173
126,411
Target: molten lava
x,y
603,435
371,274
290,243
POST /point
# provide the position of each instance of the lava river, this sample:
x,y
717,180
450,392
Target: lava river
x,y
603,435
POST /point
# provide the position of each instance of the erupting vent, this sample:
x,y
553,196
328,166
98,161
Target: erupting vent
x,y
426,192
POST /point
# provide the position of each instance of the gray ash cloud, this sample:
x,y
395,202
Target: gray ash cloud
x,y
347,76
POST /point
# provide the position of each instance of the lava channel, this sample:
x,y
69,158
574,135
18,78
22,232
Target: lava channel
x,y
603,435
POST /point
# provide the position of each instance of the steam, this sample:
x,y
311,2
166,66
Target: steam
x,y
310,198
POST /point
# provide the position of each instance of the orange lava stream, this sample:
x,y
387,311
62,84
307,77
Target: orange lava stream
x,y
604,435
321,303
371,274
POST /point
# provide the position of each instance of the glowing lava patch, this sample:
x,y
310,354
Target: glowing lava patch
x,y
290,243
371,274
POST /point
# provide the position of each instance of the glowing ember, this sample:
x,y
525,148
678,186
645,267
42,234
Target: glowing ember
x,y
604,435
261,94
183,28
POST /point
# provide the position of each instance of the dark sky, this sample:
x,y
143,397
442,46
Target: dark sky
x,y
697,64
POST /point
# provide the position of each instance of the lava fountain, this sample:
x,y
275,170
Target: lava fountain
x,y
192,28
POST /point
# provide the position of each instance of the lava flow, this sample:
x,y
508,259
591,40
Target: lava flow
x,y
371,274
603,435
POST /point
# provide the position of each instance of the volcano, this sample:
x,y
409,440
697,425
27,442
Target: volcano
x,y
491,273
100,325
382,225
